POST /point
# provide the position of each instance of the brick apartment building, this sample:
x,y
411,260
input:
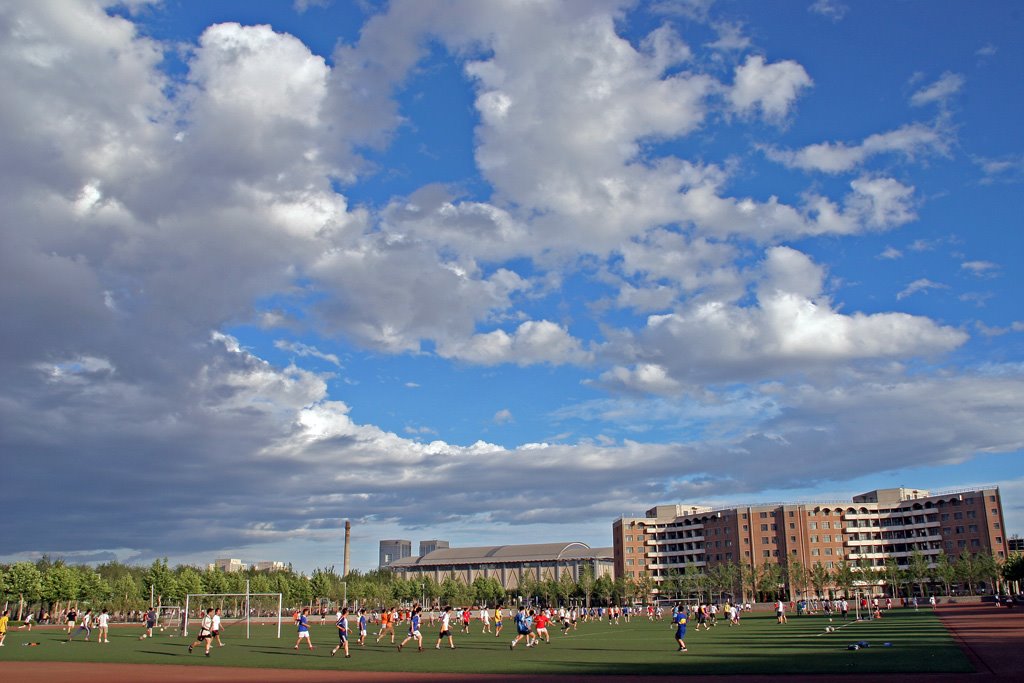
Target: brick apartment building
x,y
867,531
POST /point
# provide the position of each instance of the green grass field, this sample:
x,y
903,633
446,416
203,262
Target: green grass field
x,y
919,643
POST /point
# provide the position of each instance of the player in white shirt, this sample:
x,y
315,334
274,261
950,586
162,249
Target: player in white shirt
x,y
216,626
86,626
446,629
485,616
103,626
205,632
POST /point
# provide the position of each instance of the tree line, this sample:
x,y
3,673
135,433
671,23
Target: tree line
x,y
53,585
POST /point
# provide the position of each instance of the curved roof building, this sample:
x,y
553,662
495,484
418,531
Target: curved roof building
x,y
508,563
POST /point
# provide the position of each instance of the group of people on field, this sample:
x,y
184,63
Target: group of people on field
x,y
531,625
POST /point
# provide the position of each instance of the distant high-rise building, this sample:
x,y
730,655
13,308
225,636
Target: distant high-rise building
x,y
431,546
229,565
269,566
870,533
394,549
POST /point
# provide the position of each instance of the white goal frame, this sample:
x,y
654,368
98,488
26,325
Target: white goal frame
x,y
160,609
248,613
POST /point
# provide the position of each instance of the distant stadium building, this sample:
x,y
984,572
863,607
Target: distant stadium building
x,y
394,549
508,563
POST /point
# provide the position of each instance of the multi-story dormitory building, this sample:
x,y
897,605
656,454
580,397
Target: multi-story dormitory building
x,y
866,531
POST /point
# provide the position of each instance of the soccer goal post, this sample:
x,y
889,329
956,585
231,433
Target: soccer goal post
x,y
241,608
168,616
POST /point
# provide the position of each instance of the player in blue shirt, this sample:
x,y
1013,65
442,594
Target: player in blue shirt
x,y
362,627
303,624
522,621
414,631
342,625
679,621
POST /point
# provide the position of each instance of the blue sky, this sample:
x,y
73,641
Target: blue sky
x,y
499,271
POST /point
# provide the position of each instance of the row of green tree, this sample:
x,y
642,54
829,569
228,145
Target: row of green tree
x,y
54,585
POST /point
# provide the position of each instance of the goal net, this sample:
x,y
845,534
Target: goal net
x,y
168,617
250,610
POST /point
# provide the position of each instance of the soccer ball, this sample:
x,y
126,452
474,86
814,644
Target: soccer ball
x,y
142,637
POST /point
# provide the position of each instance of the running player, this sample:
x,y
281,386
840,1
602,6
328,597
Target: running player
x,y
150,623
542,627
86,626
522,629
27,623
303,626
216,627
414,631
4,618
342,633
446,629
386,625
205,636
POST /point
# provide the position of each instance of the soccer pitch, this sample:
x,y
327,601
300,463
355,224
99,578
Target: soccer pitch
x,y
917,643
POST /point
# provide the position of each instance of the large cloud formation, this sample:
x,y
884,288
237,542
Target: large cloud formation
x,y
144,214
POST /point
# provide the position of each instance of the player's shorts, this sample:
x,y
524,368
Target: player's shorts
x,y
214,634
150,624
362,632
497,622
680,633
414,634
778,613
524,631
342,636
304,634
445,634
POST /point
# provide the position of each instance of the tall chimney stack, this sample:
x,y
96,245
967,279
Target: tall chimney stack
x,y
348,541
